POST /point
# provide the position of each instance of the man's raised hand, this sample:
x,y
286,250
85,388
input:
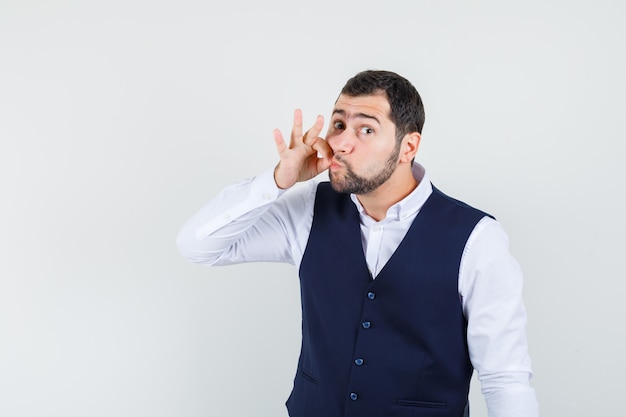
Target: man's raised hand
x,y
300,161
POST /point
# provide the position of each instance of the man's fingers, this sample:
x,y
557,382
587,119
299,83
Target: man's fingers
x,y
323,149
296,131
311,136
280,141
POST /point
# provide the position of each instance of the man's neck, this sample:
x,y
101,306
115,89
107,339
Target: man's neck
x,y
396,188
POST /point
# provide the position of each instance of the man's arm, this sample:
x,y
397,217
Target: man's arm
x,y
236,225
247,222
490,283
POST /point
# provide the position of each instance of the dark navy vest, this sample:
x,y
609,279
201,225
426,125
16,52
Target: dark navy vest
x,y
391,347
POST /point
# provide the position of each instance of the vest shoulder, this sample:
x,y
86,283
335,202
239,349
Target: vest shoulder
x,y
325,187
438,194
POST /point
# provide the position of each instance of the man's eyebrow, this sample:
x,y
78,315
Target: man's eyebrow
x,y
356,115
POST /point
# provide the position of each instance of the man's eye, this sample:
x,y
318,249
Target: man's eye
x,y
338,125
367,130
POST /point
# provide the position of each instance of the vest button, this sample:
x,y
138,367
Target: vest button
x,y
358,361
353,396
366,324
371,295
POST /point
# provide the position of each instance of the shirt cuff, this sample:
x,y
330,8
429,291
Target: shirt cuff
x,y
512,402
263,188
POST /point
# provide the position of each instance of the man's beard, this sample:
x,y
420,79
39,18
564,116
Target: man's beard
x,y
350,182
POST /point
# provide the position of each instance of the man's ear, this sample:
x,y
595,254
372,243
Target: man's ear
x,y
410,144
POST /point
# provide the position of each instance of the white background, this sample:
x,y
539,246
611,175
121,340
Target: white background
x,y
120,118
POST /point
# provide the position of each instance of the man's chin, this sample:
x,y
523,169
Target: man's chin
x,y
337,184
337,187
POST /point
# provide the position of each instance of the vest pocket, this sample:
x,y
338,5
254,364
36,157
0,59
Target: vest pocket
x,y
422,404
303,399
307,377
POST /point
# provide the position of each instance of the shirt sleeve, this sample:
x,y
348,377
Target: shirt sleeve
x,y
250,221
490,284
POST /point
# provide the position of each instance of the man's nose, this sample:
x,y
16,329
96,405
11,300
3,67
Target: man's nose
x,y
341,142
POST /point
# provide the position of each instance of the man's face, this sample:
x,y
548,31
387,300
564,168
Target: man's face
x,y
363,139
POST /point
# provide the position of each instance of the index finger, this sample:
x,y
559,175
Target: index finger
x,y
323,149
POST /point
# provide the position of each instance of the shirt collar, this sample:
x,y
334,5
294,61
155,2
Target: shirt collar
x,y
409,205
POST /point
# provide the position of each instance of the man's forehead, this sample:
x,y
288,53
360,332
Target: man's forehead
x,y
372,103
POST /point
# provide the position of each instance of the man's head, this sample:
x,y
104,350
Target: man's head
x,y
407,109
374,133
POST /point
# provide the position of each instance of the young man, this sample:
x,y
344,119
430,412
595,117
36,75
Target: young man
x,y
404,290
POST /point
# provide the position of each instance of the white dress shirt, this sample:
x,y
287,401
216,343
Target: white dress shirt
x,y
254,221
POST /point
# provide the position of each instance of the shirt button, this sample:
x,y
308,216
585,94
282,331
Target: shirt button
x,y
267,197
371,295
366,324
358,361
376,228
353,396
